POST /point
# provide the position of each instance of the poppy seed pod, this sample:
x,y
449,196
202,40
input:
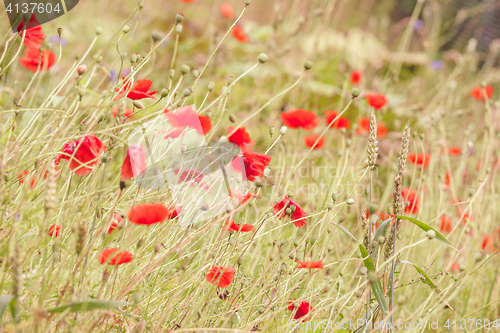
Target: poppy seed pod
x,y
308,65
431,234
355,92
232,118
462,268
263,58
185,69
98,31
156,36
372,208
59,31
82,69
211,85
178,29
329,205
267,171
271,130
283,130
133,58
230,80
126,29
138,104
372,277
187,92
178,18
164,92
350,201
98,59
363,270
171,73
81,92
248,2
195,73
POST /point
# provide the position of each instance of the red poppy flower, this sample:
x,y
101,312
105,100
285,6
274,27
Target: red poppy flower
x,y
134,163
356,76
302,311
240,137
310,141
297,215
139,91
21,176
117,218
364,127
446,225
114,257
148,213
310,264
188,175
226,10
220,276
231,226
341,122
35,59
300,118
447,179
186,116
411,199
188,1
253,163
464,216
479,92
377,101
34,33
488,244
455,151
420,159
126,114
239,34
242,198
84,154
54,230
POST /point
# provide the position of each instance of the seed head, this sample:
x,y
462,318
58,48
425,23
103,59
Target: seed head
x,y
308,65
126,29
178,18
355,92
98,31
185,69
187,92
263,58
211,85
283,130
178,28
156,36
171,73
138,104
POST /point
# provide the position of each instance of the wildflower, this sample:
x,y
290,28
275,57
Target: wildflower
x,y
252,163
479,93
188,1
35,59
411,198
242,198
310,141
188,175
487,244
420,159
117,218
302,311
21,176
364,126
464,216
149,213
185,117
446,225
114,257
447,179
297,215
54,230
226,10
454,151
356,76
341,122
134,163
239,34
300,118
34,33
126,114
231,226
240,137
83,154
377,101
220,276
139,91
310,264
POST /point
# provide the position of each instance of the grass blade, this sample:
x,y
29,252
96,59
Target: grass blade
x,y
426,228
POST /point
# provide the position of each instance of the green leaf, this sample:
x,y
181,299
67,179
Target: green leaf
x,y
4,302
377,289
381,231
95,304
426,228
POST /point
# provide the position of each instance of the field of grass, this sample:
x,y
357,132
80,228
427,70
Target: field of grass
x,y
360,194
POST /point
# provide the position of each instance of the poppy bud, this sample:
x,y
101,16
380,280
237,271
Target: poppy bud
x,y
98,59
421,136
293,208
164,92
414,134
478,257
372,208
290,193
126,29
462,268
208,114
178,29
171,73
329,205
431,234
363,270
211,85
248,2
334,197
81,92
82,69
59,31
267,171
271,130
156,36
185,69
103,158
402,299
381,239
288,211
263,58
138,105
196,73
133,58
178,18
341,218
187,92
283,130
348,142
98,31
308,65
258,183
355,92
223,90
373,219
230,80
350,201
372,277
